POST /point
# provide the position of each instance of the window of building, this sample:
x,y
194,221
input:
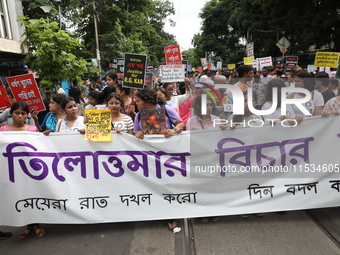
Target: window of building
x,y
5,28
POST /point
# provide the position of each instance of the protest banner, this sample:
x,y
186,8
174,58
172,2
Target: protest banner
x,y
134,70
120,68
231,66
172,73
248,61
204,62
148,79
98,125
250,50
327,59
173,55
278,62
24,88
256,64
291,62
264,62
198,174
4,100
311,68
219,65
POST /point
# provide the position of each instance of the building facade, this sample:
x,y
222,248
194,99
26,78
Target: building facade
x,y
11,57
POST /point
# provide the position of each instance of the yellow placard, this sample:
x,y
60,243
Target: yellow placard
x,y
327,59
231,66
98,125
248,60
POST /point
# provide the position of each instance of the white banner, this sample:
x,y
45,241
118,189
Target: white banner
x,y
250,50
172,73
267,61
62,178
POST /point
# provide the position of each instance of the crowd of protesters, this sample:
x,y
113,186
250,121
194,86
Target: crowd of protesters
x,y
182,102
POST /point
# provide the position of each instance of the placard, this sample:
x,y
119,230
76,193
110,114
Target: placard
x,y
4,100
24,88
98,125
173,55
231,66
134,70
267,61
291,62
250,50
172,73
148,81
327,59
248,61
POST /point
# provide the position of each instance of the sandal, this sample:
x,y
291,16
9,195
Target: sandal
x,y
215,219
39,231
25,232
172,224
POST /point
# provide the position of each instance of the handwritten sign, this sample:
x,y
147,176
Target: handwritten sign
x,y
98,125
172,73
4,100
134,70
25,89
173,55
327,59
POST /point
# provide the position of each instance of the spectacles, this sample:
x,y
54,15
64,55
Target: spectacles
x,y
112,103
297,81
170,89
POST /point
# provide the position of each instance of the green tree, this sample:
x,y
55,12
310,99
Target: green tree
x,y
229,24
50,52
135,26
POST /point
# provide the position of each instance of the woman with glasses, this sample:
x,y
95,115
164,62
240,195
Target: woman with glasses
x,y
120,121
304,80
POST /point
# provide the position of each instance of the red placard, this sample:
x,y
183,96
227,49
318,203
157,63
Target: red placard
x,y
25,89
4,100
173,55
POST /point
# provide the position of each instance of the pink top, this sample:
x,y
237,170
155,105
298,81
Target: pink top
x,y
30,128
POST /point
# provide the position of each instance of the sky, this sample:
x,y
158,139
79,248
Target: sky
x,y
187,21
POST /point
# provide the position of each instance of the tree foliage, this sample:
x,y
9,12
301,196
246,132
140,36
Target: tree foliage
x,y
229,24
50,52
134,26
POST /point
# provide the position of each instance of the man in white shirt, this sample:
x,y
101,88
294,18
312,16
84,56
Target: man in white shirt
x,y
265,77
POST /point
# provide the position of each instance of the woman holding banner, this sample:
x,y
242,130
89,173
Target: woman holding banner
x,y
19,112
72,122
147,100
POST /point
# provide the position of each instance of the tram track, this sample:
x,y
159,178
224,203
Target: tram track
x,y
327,220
